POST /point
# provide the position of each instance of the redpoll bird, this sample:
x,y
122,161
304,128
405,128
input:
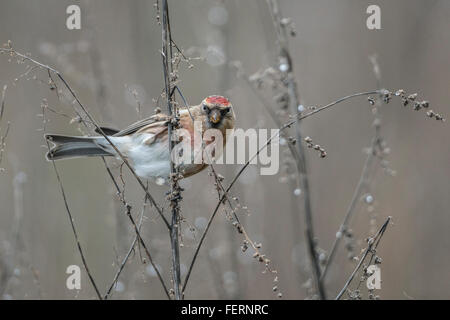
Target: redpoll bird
x,y
145,143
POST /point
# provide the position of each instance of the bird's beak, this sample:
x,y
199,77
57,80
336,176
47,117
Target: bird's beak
x,y
214,116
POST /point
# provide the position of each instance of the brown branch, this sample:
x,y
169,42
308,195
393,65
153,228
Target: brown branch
x,y
175,190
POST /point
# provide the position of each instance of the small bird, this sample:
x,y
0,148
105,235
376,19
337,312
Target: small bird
x,y
145,143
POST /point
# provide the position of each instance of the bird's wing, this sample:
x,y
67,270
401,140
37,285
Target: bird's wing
x,y
153,120
158,132
107,130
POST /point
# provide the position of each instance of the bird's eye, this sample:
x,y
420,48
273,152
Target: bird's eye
x,y
228,110
205,108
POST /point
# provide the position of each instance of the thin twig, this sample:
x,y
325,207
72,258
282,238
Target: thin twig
x,y
127,256
356,195
72,221
372,245
3,141
298,117
136,229
2,104
364,177
292,88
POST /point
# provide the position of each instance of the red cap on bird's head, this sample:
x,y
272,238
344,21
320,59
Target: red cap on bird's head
x,y
212,100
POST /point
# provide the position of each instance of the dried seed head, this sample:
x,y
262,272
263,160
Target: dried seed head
x,y
412,97
405,102
387,97
425,104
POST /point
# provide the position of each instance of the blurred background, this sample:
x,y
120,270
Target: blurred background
x,y
114,65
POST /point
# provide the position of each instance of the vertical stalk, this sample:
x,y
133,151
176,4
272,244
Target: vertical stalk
x,y
172,125
294,100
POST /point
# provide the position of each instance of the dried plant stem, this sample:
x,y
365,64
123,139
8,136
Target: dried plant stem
x,y
138,234
2,104
72,221
292,89
372,245
364,178
5,135
3,141
127,256
136,229
351,208
200,243
175,190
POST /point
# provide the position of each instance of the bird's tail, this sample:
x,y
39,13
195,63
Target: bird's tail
x,y
70,147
